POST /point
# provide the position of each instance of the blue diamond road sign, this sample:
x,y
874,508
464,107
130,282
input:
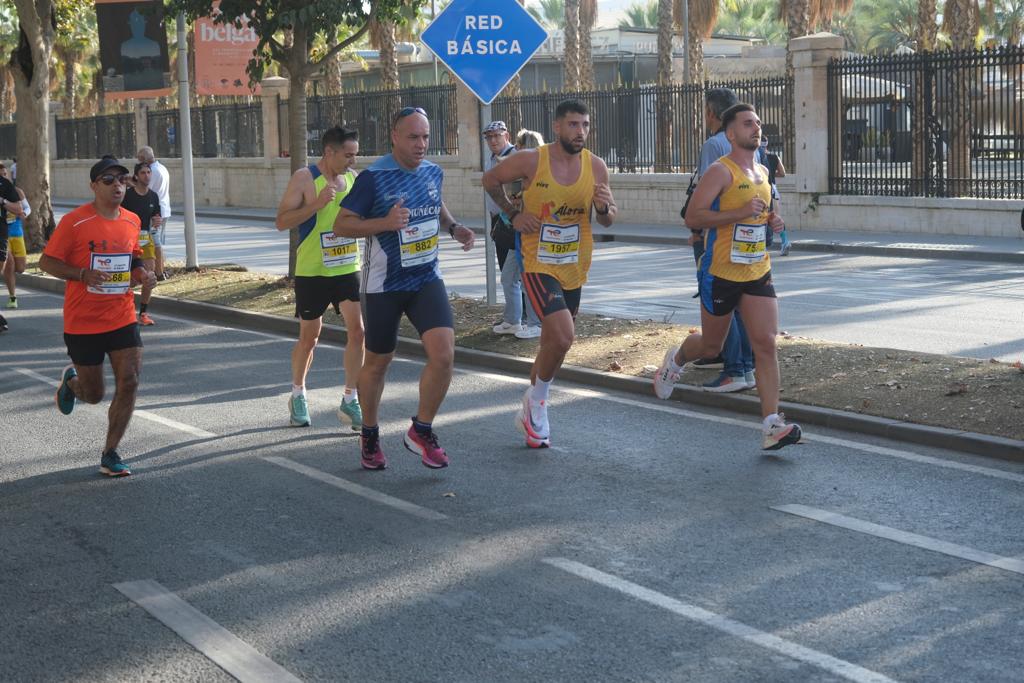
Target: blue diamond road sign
x,y
484,42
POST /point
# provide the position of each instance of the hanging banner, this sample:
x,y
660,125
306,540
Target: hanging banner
x,y
221,55
133,49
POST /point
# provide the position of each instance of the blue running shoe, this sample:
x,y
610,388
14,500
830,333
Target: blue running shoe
x,y
351,413
111,465
726,383
298,411
65,397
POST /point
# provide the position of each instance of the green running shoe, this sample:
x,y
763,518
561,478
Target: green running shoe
x,y
299,411
65,397
12,302
350,413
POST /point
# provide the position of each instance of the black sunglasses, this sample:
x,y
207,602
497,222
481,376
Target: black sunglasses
x,y
109,178
411,110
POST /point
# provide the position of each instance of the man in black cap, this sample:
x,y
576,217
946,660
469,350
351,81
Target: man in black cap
x,y
96,249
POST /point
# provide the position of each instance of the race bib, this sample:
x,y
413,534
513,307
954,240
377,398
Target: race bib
x,y
748,243
559,244
118,267
419,242
337,251
145,239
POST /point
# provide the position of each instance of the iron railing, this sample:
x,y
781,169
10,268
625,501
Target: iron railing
x,y
94,136
220,130
933,124
652,128
370,113
8,141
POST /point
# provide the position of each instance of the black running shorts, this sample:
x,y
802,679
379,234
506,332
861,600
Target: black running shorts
x,y
546,296
90,349
382,312
721,297
313,294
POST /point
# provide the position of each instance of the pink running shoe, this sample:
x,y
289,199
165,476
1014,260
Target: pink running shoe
x,y
426,446
372,457
533,422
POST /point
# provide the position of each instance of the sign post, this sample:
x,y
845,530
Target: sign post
x,y
485,43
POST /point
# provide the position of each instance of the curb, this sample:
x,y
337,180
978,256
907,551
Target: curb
x,y
924,435
923,252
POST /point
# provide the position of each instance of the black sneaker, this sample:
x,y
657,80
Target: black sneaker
x,y
705,364
111,465
3,324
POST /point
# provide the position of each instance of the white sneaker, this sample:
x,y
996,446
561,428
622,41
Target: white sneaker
x,y
665,379
528,332
532,421
507,328
779,434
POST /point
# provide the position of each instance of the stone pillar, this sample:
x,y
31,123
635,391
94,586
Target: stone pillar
x,y
273,91
810,103
51,126
142,108
468,108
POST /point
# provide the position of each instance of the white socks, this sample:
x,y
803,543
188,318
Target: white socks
x,y
350,395
540,389
770,420
298,390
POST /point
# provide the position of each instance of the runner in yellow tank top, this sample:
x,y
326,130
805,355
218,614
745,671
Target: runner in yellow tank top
x,y
310,210
732,203
566,188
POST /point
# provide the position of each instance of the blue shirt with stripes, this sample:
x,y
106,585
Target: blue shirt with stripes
x,y
374,193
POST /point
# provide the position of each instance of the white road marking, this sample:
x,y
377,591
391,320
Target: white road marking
x,y
219,645
144,414
839,667
1009,564
356,489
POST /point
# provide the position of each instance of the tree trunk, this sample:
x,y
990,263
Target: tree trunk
x,y
69,87
31,63
924,101
963,20
297,123
696,53
797,25
572,45
333,75
388,57
586,49
663,141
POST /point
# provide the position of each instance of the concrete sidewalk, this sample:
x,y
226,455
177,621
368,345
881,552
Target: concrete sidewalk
x,y
999,249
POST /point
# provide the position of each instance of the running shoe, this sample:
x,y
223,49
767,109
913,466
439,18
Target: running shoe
x,y
299,411
750,379
665,379
3,324
506,328
12,302
726,383
145,320
351,413
716,363
111,465
426,446
528,332
65,397
780,434
532,421
371,456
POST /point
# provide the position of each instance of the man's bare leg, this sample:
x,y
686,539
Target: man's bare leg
x,y
439,345
126,364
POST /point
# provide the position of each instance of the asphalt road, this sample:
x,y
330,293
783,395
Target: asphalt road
x,y
652,544
965,308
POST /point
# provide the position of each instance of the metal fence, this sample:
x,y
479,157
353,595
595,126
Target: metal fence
x,y
652,128
8,141
94,136
220,130
370,113
934,124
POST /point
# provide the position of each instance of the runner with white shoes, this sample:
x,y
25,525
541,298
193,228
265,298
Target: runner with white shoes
x,y
326,270
731,204
564,184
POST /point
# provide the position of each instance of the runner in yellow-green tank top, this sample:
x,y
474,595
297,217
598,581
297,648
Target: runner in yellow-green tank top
x,y
326,269
566,188
732,203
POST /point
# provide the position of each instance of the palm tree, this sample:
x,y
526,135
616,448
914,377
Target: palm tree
x,y
667,25
588,19
1005,19
961,20
641,15
702,17
798,17
515,86
382,38
572,44
827,10
753,18
551,13
76,36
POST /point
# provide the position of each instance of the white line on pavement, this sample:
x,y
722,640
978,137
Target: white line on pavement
x,y
1009,564
839,667
356,489
221,646
144,414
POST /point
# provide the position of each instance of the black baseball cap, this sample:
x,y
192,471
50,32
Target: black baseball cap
x,y
104,165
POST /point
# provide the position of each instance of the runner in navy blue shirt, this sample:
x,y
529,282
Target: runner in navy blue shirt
x,y
395,204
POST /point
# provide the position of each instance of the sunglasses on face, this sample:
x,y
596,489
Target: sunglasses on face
x,y
110,178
